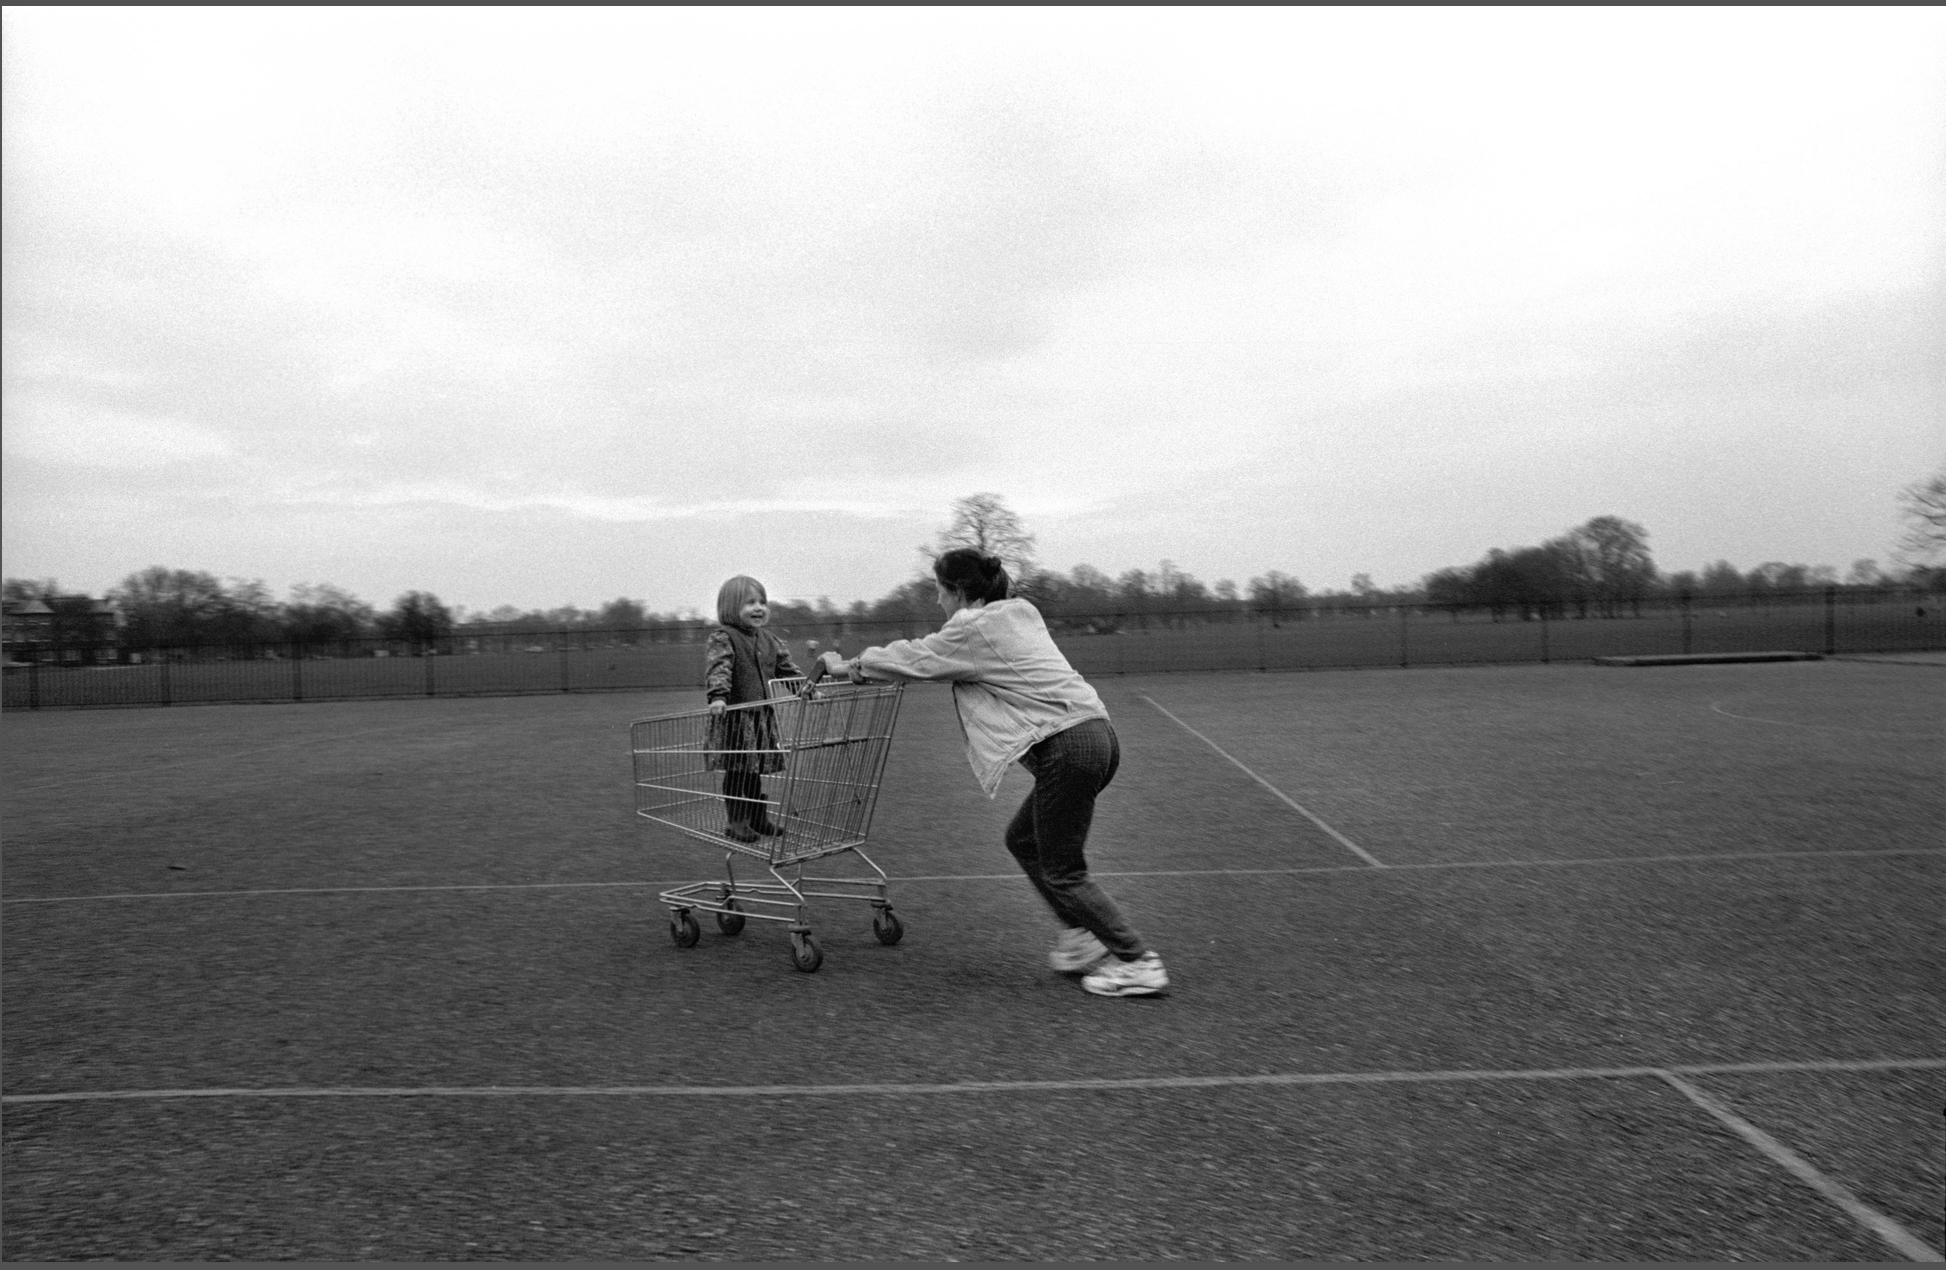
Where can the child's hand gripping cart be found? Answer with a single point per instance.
(823, 744)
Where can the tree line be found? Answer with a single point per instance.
(1601, 571)
(1602, 568)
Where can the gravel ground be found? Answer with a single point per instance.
(1598, 1170)
(1334, 968)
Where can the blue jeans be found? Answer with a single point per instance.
(1049, 831)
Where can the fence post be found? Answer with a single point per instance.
(1683, 600)
(561, 647)
(1544, 660)
(428, 655)
(34, 684)
(297, 671)
(1263, 662)
(165, 679)
(1830, 620)
(1403, 660)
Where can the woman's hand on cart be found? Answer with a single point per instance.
(715, 707)
(834, 665)
(819, 672)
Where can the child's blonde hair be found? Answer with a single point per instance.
(734, 594)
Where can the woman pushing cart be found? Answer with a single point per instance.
(1020, 701)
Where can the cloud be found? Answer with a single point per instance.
(833, 269)
(458, 498)
(70, 434)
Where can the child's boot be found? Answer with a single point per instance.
(737, 809)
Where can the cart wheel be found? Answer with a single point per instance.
(684, 930)
(730, 923)
(887, 926)
(805, 954)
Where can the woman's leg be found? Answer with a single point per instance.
(1050, 831)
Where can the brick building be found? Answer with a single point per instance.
(64, 629)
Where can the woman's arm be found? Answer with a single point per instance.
(942, 655)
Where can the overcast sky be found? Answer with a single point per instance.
(541, 307)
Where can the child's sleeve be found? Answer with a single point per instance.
(786, 668)
(716, 673)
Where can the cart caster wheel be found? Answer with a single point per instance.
(805, 953)
(887, 926)
(730, 923)
(684, 930)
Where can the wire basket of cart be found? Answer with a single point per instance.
(820, 749)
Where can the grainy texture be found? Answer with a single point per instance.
(1349, 969)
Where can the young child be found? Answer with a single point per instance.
(743, 659)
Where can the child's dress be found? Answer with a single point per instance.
(742, 662)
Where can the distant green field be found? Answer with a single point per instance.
(1141, 645)
(1438, 639)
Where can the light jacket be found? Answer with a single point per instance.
(1012, 688)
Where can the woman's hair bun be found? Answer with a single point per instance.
(976, 576)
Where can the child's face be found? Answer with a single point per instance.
(754, 613)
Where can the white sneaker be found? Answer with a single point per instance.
(1117, 978)
(1076, 951)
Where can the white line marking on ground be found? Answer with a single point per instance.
(1797, 1166)
(1709, 858)
(1292, 803)
(1716, 707)
(885, 1089)
(1295, 871)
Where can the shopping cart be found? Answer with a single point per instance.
(823, 751)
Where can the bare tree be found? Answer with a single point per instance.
(1922, 505)
(29, 589)
(1778, 575)
(623, 614)
(1090, 585)
(1720, 578)
(985, 523)
(170, 606)
(1277, 593)
(1617, 555)
(324, 613)
(1865, 573)
(417, 618)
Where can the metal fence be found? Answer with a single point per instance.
(1134, 639)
